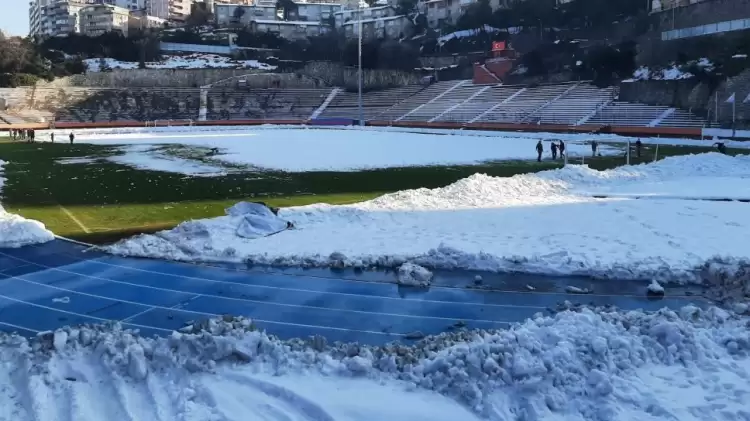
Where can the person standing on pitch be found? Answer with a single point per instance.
(72, 137)
(539, 150)
(638, 145)
(594, 145)
(553, 148)
(52, 137)
(562, 149)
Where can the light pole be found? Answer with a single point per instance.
(359, 68)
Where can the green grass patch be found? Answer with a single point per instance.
(114, 201)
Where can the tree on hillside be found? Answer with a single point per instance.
(477, 15)
(237, 15)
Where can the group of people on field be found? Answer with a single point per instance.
(23, 134)
(29, 135)
(559, 146)
(556, 147)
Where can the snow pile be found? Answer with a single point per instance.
(190, 61)
(410, 274)
(537, 223)
(654, 288)
(589, 364)
(672, 72)
(466, 33)
(17, 231)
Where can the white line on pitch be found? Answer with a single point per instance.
(74, 219)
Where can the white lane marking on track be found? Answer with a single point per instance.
(152, 307)
(19, 327)
(369, 313)
(346, 294)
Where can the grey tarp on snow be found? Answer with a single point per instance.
(257, 220)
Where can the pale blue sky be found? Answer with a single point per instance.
(14, 17)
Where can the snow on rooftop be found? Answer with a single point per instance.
(17, 231)
(466, 33)
(190, 61)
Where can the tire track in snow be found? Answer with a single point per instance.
(40, 399)
(294, 404)
(11, 400)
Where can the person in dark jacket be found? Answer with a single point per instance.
(72, 137)
(638, 147)
(553, 148)
(562, 149)
(594, 145)
(52, 137)
(539, 150)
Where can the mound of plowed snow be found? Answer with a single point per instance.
(581, 365)
(17, 231)
(538, 223)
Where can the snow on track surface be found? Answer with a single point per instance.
(539, 223)
(297, 149)
(586, 365)
(17, 231)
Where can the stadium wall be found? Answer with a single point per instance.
(694, 133)
(147, 78)
(672, 93)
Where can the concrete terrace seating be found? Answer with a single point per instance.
(292, 104)
(10, 119)
(346, 104)
(574, 106)
(14, 97)
(627, 114)
(524, 104)
(421, 97)
(142, 104)
(682, 118)
(486, 99)
(439, 105)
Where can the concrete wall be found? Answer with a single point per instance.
(702, 13)
(652, 50)
(673, 93)
(335, 74)
(145, 78)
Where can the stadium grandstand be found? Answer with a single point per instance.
(568, 104)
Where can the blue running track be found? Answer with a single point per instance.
(48, 286)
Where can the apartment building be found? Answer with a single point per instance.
(98, 19)
(314, 12)
(172, 10)
(36, 16)
(292, 30)
(242, 15)
(363, 13)
(381, 27)
(60, 18)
